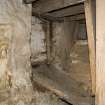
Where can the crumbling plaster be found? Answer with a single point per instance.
(17, 16)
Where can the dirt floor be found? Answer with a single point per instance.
(47, 98)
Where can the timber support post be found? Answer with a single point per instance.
(100, 53)
(91, 41)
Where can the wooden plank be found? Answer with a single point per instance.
(44, 6)
(73, 10)
(91, 41)
(61, 84)
(100, 52)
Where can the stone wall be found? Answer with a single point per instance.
(82, 35)
(38, 41)
(61, 44)
(64, 35)
(15, 28)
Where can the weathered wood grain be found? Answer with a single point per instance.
(73, 10)
(43, 6)
(100, 52)
(91, 41)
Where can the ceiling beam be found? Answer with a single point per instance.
(47, 17)
(78, 17)
(29, 1)
(44, 6)
(69, 11)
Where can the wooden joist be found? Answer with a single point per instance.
(29, 1)
(44, 6)
(69, 11)
(77, 17)
(47, 16)
(61, 84)
(91, 41)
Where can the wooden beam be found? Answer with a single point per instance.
(29, 1)
(91, 41)
(69, 11)
(47, 16)
(77, 17)
(100, 52)
(44, 6)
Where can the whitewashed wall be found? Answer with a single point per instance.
(38, 41)
(17, 16)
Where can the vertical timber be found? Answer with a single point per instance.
(91, 41)
(100, 52)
